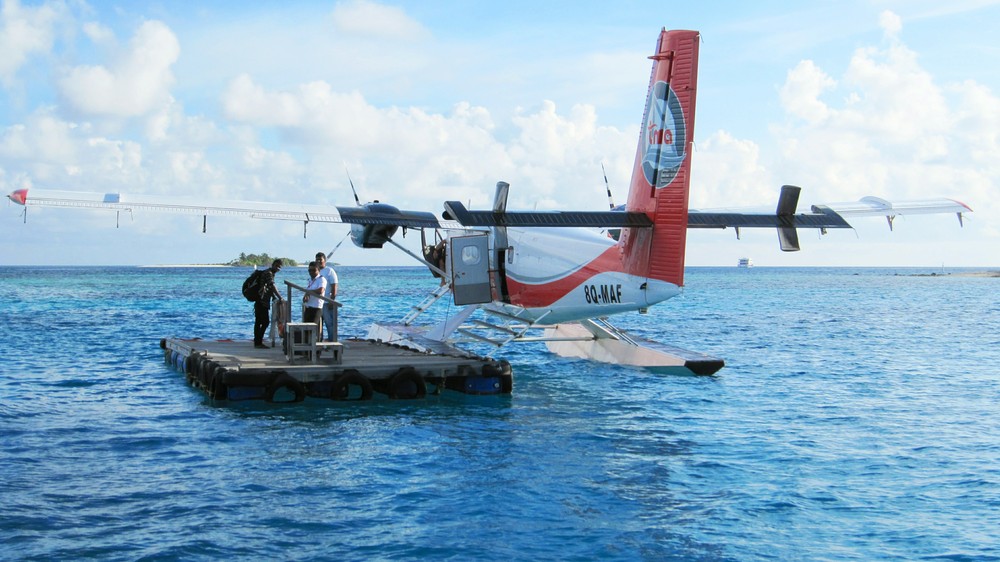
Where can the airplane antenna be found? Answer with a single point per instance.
(356, 200)
(611, 202)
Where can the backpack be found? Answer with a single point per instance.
(252, 287)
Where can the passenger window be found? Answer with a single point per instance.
(470, 255)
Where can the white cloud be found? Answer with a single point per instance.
(727, 172)
(553, 152)
(890, 23)
(134, 84)
(61, 154)
(169, 124)
(99, 34)
(802, 89)
(897, 100)
(312, 113)
(24, 31)
(978, 120)
(898, 133)
(417, 157)
(371, 19)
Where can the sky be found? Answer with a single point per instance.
(427, 101)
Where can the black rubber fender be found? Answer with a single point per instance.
(210, 372)
(217, 387)
(341, 387)
(238, 378)
(502, 372)
(194, 367)
(285, 380)
(191, 364)
(407, 384)
(204, 376)
(505, 368)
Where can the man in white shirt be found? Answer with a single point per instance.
(329, 310)
(317, 286)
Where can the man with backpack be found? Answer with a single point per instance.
(261, 286)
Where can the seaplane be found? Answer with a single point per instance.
(556, 276)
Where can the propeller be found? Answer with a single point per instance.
(611, 202)
(354, 191)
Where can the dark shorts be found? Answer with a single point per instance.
(311, 314)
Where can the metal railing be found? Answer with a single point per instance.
(326, 301)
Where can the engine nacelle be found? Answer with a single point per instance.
(374, 235)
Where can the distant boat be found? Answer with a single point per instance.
(745, 262)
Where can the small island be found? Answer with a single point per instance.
(258, 260)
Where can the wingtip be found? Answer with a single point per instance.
(18, 196)
(967, 208)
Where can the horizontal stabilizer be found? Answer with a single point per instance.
(783, 218)
(709, 219)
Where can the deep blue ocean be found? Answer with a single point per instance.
(857, 418)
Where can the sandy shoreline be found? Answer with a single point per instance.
(191, 265)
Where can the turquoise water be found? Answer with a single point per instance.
(858, 418)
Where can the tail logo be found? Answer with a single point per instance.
(663, 136)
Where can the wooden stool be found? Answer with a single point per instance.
(301, 338)
(334, 347)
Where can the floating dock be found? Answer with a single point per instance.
(352, 369)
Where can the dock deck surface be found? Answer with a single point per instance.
(219, 366)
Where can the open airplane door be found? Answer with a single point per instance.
(470, 269)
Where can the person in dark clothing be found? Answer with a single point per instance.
(262, 306)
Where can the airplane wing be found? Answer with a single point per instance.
(370, 214)
(786, 220)
(865, 207)
(877, 207)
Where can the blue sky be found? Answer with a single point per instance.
(427, 101)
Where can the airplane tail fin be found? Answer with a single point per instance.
(661, 174)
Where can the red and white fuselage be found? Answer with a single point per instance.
(562, 275)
